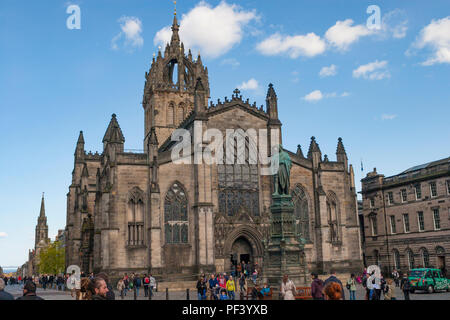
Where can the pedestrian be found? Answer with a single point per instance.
(265, 292)
(201, 287)
(44, 282)
(137, 282)
(242, 286)
(87, 289)
(212, 284)
(333, 278)
(3, 294)
(231, 288)
(389, 290)
(222, 282)
(316, 287)
(29, 292)
(110, 294)
(126, 283)
(100, 289)
(146, 281)
(333, 291)
(396, 276)
(371, 281)
(153, 287)
(121, 288)
(405, 286)
(351, 286)
(288, 290)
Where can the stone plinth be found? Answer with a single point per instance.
(284, 253)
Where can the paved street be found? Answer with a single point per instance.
(51, 294)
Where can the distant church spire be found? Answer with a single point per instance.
(42, 212)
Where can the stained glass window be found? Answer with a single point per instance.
(301, 212)
(176, 216)
(239, 183)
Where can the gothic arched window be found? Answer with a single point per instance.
(176, 225)
(333, 217)
(170, 114)
(238, 177)
(135, 218)
(301, 212)
(180, 113)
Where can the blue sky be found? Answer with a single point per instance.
(385, 92)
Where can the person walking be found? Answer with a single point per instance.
(288, 290)
(212, 284)
(146, 281)
(137, 282)
(121, 288)
(29, 292)
(201, 287)
(333, 278)
(389, 290)
(316, 287)
(351, 286)
(3, 294)
(231, 288)
(126, 282)
(152, 285)
(396, 276)
(242, 286)
(405, 286)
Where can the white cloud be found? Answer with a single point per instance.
(376, 70)
(132, 32)
(3, 235)
(314, 96)
(317, 95)
(328, 71)
(343, 34)
(308, 45)
(394, 23)
(212, 30)
(388, 116)
(230, 62)
(251, 84)
(436, 36)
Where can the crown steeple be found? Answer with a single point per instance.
(41, 227)
(42, 212)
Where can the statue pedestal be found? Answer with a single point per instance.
(284, 253)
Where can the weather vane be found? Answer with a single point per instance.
(175, 3)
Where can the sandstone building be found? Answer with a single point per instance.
(407, 217)
(141, 212)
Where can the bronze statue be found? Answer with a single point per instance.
(282, 178)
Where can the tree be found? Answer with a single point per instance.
(52, 259)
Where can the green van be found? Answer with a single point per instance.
(429, 280)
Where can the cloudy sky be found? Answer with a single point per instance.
(385, 91)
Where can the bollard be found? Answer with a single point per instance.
(167, 293)
(187, 294)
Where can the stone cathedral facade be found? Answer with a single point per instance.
(140, 212)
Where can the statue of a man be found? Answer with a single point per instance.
(282, 177)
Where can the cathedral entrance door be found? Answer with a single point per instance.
(242, 249)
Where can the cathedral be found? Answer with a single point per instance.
(142, 212)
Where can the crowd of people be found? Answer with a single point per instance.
(219, 286)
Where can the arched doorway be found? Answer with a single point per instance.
(242, 250)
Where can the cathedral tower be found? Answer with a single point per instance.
(170, 86)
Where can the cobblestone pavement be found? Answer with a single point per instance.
(52, 294)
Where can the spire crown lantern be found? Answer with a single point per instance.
(340, 147)
(114, 133)
(313, 148)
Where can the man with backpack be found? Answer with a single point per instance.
(316, 287)
(405, 286)
(146, 285)
(137, 283)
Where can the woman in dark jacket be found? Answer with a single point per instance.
(316, 287)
